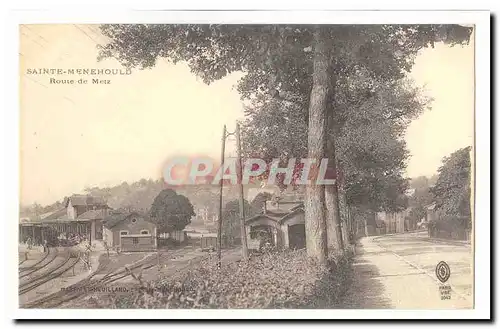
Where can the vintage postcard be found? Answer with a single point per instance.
(247, 166)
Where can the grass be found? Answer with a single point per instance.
(287, 279)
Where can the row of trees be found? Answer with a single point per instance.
(452, 191)
(420, 199)
(336, 91)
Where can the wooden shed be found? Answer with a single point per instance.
(281, 229)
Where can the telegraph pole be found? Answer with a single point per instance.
(242, 200)
(221, 182)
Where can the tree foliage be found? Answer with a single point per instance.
(231, 224)
(422, 195)
(370, 148)
(452, 191)
(271, 54)
(260, 199)
(171, 211)
(292, 62)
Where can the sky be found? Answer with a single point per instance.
(83, 135)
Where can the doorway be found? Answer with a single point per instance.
(297, 236)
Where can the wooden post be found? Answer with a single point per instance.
(92, 230)
(244, 247)
(158, 263)
(221, 183)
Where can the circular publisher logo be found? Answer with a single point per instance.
(443, 271)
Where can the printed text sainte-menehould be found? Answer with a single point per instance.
(78, 71)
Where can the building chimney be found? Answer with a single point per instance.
(264, 207)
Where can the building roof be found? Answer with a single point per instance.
(24, 219)
(278, 217)
(278, 213)
(283, 206)
(115, 218)
(274, 219)
(53, 215)
(93, 214)
(299, 206)
(85, 200)
(45, 217)
(297, 210)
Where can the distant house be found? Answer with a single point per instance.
(78, 204)
(381, 227)
(395, 222)
(430, 212)
(130, 232)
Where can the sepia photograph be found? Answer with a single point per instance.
(247, 166)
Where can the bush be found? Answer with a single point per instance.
(449, 227)
(287, 279)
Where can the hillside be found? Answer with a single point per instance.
(140, 195)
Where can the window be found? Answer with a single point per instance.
(135, 240)
(144, 232)
(123, 232)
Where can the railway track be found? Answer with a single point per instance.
(41, 264)
(28, 268)
(70, 259)
(81, 288)
(25, 259)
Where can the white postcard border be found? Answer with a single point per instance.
(482, 165)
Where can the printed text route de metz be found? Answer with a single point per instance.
(94, 81)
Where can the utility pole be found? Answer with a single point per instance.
(244, 246)
(219, 228)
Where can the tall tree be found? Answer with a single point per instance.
(271, 55)
(231, 224)
(370, 150)
(316, 144)
(452, 191)
(171, 211)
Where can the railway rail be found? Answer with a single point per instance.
(70, 260)
(39, 265)
(90, 283)
(79, 289)
(25, 259)
(28, 268)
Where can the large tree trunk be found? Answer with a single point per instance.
(333, 220)
(315, 194)
(344, 215)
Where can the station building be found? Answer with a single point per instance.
(129, 232)
(82, 215)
